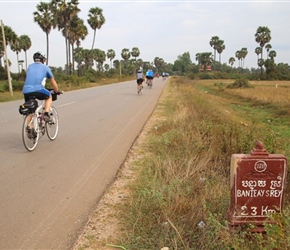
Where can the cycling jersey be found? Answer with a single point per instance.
(149, 73)
(35, 77)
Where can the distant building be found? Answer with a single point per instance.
(208, 68)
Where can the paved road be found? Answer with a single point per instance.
(46, 195)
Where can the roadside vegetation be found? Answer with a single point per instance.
(181, 194)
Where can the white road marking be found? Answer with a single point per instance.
(63, 105)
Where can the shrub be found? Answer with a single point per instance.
(240, 83)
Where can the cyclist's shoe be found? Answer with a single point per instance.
(31, 133)
(46, 117)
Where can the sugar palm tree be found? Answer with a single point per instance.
(232, 61)
(77, 31)
(45, 19)
(158, 62)
(262, 37)
(268, 47)
(272, 54)
(64, 12)
(258, 51)
(220, 47)
(126, 55)
(244, 52)
(96, 20)
(239, 56)
(111, 55)
(198, 58)
(135, 52)
(100, 58)
(213, 43)
(205, 59)
(16, 48)
(10, 38)
(25, 44)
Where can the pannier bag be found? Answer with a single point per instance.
(28, 107)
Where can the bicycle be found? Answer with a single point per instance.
(149, 83)
(34, 126)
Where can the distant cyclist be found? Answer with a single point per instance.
(140, 79)
(163, 76)
(149, 77)
(34, 85)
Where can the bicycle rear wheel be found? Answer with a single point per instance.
(30, 136)
(52, 125)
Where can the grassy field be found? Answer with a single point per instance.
(181, 195)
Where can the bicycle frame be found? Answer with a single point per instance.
(34, 127)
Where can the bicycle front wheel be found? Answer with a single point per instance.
(30, 136)
(52, 125)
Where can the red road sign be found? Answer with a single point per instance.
(258, 183)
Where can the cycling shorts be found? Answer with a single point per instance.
(149, 77)
(40, 95)
(139, 81)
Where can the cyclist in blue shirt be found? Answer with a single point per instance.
(149, 76)
(34, 85)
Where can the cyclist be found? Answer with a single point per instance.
(140, 79)
(34, 85)
(149, 77)
(163, 76)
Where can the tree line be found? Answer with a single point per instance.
(63, 15)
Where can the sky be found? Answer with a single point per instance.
(164, 29)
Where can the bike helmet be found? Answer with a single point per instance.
(38, 56)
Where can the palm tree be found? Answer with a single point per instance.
(232, 61)
(45, 19)
(261, 62)
(263, 36)
(198, 58)
(220, 47)
(77, 31)
(140, 63)
(16, 48)
(135, 52)
(268, 47)
(96, 20)
(116, 64)
(88, 58)
(239, 56)
(244, 52)
(205, 59)
(25, 44)
(10, 38)
(158, 62)
(258, 51)
(213, 43)
(111, 55)
(272, 54)
(64, 12)
(126, 55)
(100, 58)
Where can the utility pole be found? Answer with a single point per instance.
(7, 61)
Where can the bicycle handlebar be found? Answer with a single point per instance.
(57, 93)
